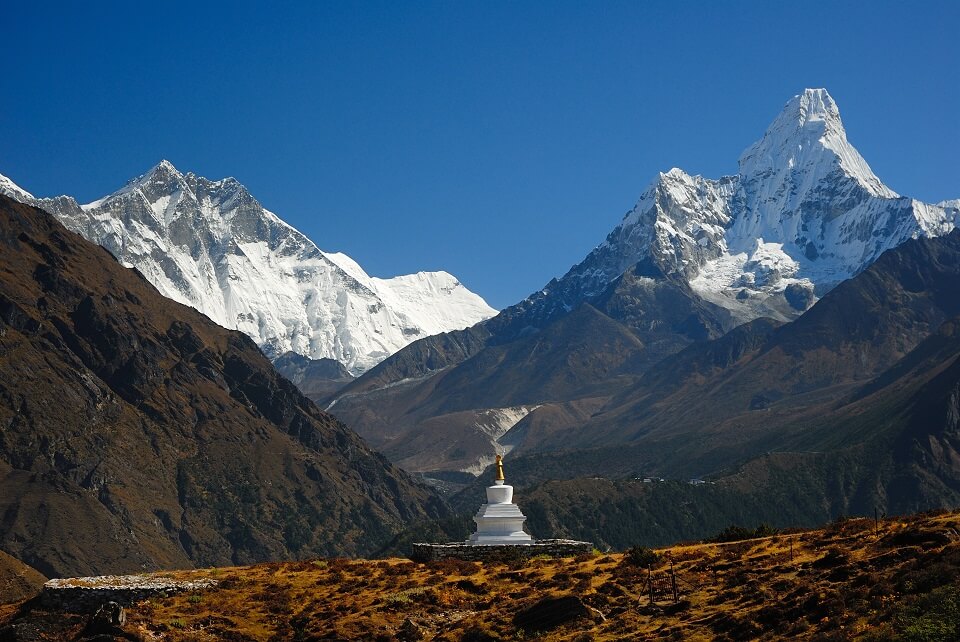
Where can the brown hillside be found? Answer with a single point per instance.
(17, 580)
(845, 582)
(591, 350)
(137, 434)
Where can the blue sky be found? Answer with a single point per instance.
(500, 141)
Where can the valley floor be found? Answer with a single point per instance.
(852, 580)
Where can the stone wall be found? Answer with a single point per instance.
(423, 552)
(87, 594)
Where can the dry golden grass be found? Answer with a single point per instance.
(843, 582)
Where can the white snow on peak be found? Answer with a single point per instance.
(14, 191)
(349, 266)
(211, 245)
(804, 212)
(425, 297)
(806, 143)
(163, 173)
(428, 297)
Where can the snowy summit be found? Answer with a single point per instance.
(803, 213)
(211, 245)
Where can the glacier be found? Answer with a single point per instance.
(211, 245)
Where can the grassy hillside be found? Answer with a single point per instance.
(852, 580)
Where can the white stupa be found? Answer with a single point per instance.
(499, 521)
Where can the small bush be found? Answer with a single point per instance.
(834, 557)
(734, 533)
(642, 556)
(935, 616)
(417, 594)
(399, 570)
(471, 587)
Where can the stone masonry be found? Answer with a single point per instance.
(423, 552)
(87, 594)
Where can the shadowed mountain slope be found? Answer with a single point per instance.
(589, 352)
(316, 378)
(841, 436)
(17, 580)
(135, 433)
(892, 446)
(854, 334)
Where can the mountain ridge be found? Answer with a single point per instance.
(801, 211)
(212, 245)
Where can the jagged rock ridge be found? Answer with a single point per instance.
(804, 212)
(213, 246)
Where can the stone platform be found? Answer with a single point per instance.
(472, 553)
(87, 594)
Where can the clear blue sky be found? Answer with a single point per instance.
(499, 141)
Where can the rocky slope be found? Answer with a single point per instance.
(741, 392)
(17, 580)
(138, 434)
(892, 445)
(316, 378)
(693, 259)
(213, 246)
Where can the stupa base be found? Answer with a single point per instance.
(423, 552)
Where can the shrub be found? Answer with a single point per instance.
(471, 587)
(844, 525)
(403, 598)
(642, 556)
(834, 557)
(935, 616)
(734, 533)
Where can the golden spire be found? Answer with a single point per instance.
(499, 468)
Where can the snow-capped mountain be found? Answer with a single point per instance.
(804, 212)
(14, 191)
(211, 245)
